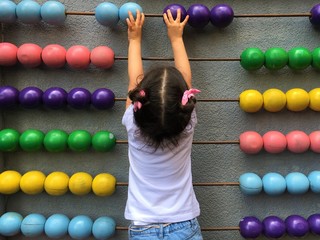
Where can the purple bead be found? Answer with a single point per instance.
(174, 9)
(314, 223)
(199, 15)
(221, 15)
(315, 15)
(30, 97)
(297, 226)
(273, 227)
(9, 97)
(79, 98)
(55, 98)
(103, 98)
(250, 227)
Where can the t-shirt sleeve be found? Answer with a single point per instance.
(127, 119)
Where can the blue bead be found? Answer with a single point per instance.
(314, 179)
(274, 184)
(297, 183)
(29, 12)
(56, 226)
(103, 228)
(33, 225)
(107, 14)
(53, 12)
(250, 183)
(7, 11)
(80, 227)
(125, 8)
(10, 223)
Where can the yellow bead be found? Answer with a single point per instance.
(314, 95)
(104, 184)
(297, 99)
(274, 100)
(10, 182)
(32, 182)
(80, 183)
(56, 183)
(251, 101)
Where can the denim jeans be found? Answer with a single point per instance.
(187, 230)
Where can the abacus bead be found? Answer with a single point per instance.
(299, 58)
(297, 226)
(78, 57)
(8, 53)
(102, 57)
(29, 54)
(32, 225)
(174, 10)
(103, 227)
(29, 12)
(9, 140)
(314, 223)
(276, 58)
(79, 140)
(315, 141)
(221, 15)
(250, 101)
(274, 100)
(297, 183)
(274, 184)
(274, 142)
(9, 97)
(56, 141)
(107, 14)
(103, 141)
(10, 223)
(80, 227)
(31, 140)
(316, 58)
(103, 98)
(129, 6)
(54, 55)
(297, 141)
(315, 15)
(55, 97)
(314, 179)
(199, 15)
(30, 97)
(273, 227)
(251, 142)
(56, 225)
(314, 98)
(7, 11)
(79, 98)
(297, 99)
(250, 227)
(250, 184)
(252, 59)
(53, 12)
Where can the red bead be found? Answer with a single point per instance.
(102, 57)
(78, 57)
(8, 54)
(54, 56)
(29, 55)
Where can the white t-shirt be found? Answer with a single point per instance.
(160, 182)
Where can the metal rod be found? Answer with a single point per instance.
(205, 229)
(198, 100)
(122, 58)
(200, 184)
(195, 142)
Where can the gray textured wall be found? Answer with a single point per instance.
(221, 206)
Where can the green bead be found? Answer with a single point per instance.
(299, 58)
(31, 140)
(252, 59)
(9, 140)
(103, 141)
(276, 58)
(79, 140)
(56, 141)
(316, 58)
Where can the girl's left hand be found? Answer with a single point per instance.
(135, 26)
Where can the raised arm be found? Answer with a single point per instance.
(175, 31)
(135, 67)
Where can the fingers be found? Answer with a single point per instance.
(185, 20)
(169, 14)
(178, 15)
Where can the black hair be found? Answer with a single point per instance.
(162, 117)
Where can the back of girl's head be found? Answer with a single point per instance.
(161, 116)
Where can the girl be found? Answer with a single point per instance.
(160, 120)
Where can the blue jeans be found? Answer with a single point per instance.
(187, 230)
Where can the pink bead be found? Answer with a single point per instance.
(251, 142)
(102, 57)
(54, 56)
(78, 57)
(8, 54)
(29, 55)
(315, 141)
(298, 141)
(274, 142)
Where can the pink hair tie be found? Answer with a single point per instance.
(188, 94)
(137, 105)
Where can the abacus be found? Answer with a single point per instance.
(62, 94)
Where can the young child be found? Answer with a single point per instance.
(160, 120)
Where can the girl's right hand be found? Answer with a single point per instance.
(174, 26)
(135, 26)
